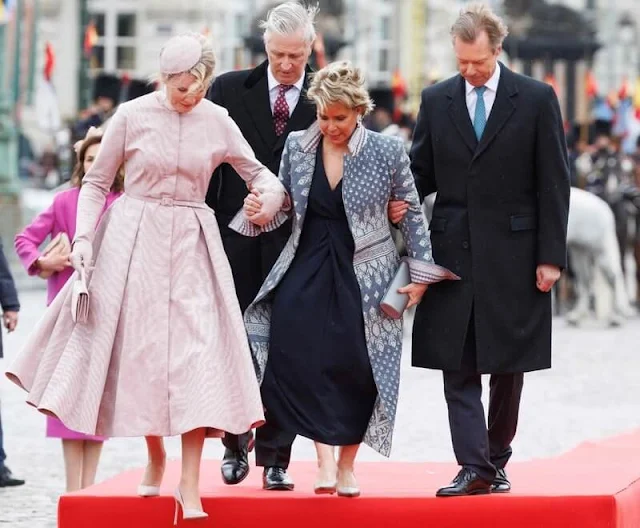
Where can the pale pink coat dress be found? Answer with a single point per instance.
(164, 350)
(59, 217)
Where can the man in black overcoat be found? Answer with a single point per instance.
(491, 143)
(254, 99)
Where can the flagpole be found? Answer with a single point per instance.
(8, 132)
(84, 98)
(33, 55)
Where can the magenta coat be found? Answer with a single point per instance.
(59, 217)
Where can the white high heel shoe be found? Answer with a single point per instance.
(148, 491)
(325, 486)
(349, 491)
(187, 513)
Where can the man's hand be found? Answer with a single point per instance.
(397, 209)
(546, 276)
(10, 320)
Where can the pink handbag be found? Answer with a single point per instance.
(80, 299)
(59, 245)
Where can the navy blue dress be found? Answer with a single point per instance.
(318, 381)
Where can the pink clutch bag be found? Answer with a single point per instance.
(80, 299)
(60, 245)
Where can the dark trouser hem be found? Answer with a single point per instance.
(273, 446)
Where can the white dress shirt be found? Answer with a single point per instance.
(292, 96)
(489, 94)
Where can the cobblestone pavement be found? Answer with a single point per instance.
(592, 392)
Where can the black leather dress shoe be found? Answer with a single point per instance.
(276, 478)
(501, 483)
(235, 465)
(7, 479)
(467, 482)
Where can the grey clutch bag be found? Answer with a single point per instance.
(393, 303)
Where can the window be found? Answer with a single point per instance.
(385, 28)
(240, 25)
(115, 48)
(126, 58)
(127, 25)
(97, 58)
(98, 20)
(384, 60)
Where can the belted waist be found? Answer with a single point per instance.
(167, 201)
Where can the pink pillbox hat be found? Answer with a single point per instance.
(180, 54)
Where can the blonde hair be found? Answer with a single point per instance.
(289, 19)
(340, 82)
(203, 70)
(474, 19)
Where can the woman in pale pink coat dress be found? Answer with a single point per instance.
(81, 452)
(164, 350)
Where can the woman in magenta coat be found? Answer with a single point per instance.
(81, 451)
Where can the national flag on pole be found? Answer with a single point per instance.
(590, 85)
(49, 61)
(625, 89)
(90, 38)
(398, 85)
(636, 98)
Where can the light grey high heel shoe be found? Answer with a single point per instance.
(348, 491)
(187, 513)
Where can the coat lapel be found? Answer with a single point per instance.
(256, 101)
(303, 114)
(460, 114)
(501, 111)
(303, 178)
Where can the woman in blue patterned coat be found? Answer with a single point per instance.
(333, 366)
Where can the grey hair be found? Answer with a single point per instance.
(202, 70)
(291, 18)
(474, 19)
(340, 82)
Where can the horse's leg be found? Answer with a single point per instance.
(581, 261)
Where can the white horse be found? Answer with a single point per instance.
(594, 254)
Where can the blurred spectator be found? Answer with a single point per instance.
(106, 96)
(10, 308)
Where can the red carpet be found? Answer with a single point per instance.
(596, 485)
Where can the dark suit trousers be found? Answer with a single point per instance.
(251, 259)
(476, 445)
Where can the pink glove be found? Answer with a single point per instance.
(81, 255)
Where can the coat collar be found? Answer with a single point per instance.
(311, 139)
(503, 107)
(256, 100)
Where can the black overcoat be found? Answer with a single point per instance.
(501, 209)
(245, 94)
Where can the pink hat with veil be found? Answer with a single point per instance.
(180, 54)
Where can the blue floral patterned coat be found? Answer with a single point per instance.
(375, 171)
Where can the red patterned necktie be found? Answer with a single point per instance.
(281, 109)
